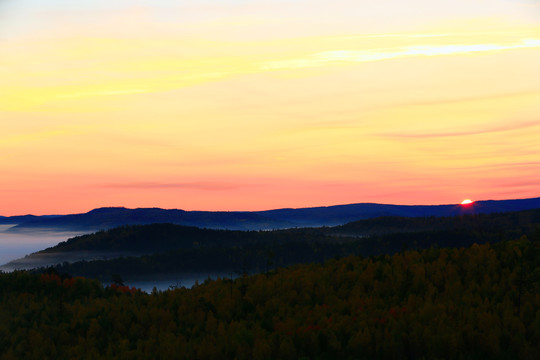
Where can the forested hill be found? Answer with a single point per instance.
(479, 302)
(161, 237)
(507, 224)
(106, 218)
(168, 248)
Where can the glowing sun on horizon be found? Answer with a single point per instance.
(466, 202)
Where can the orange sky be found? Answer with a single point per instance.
(236, 105)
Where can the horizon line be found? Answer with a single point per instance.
(266, 210)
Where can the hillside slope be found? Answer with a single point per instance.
(479, 302)
(165, 248)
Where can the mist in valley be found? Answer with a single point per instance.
(16, 245)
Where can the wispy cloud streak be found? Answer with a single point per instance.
(358, 56)
(501, 128)
(103, 93)
(201, 185)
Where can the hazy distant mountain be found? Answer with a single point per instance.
(141, 250)
(106, 218)
(341, 214)
(23, 218)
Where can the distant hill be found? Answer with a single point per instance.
(136, 250)
(11, 220)
(110, 217)
(163, 237)
(341, 214)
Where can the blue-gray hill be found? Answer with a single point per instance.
(110, 217)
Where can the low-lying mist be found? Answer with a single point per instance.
(15, 245)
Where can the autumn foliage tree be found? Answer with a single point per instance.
(441, 303)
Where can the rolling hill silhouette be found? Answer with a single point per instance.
(110, 217)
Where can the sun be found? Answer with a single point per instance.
(466, 202)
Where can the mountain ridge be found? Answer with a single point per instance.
(168, 248)
(110, 217)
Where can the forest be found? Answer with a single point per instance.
(475, 302)
(173, 249)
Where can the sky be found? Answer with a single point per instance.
(262, 104)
